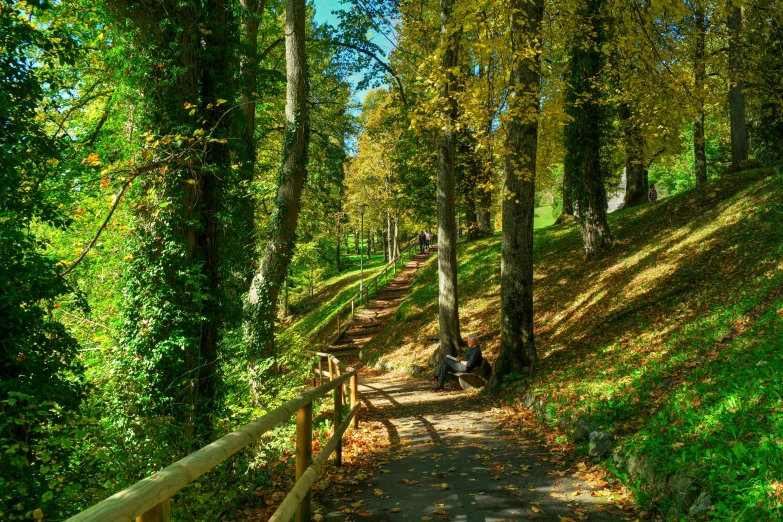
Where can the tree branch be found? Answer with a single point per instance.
(103, 226)
(371, 55)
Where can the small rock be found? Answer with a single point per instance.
(702, 505)
(528, 400)
(582, 428)
(601, 443)
(521, 389)
(682, 490)
(415, 369)
(619, 458)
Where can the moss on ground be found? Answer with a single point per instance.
(673, 340)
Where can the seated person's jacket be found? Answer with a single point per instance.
(473, 357)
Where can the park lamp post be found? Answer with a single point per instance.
(362, 208)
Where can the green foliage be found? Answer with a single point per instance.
(42, 381)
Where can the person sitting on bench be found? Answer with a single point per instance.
(453, 365)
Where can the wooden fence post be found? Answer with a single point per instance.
(337, 420)
(331, 368)
(320, 371)
(338, 323)
(304, 455)
(159, 513)
(353, 308)
(355, 397)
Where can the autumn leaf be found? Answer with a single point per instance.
(92, 159)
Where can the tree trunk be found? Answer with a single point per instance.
(471, 220)
(700, 74)
(483, 212)
(369, 244)
(586, 131)
(261, 303)
(356, 242)
(396, 250)
(448, 299)
(739, 136)
(252, 11)
(517, 343)
(216, 72)
(567, 193)
(635, 164)
(337, 245)
(389, 232)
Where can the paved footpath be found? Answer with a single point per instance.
(453, 459)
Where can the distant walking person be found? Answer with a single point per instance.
(422, 242)
(427, 238)
(453, 365)
(653, 194)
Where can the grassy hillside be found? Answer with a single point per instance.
(313, 311)
(672, 340)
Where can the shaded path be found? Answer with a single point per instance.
(454, 459)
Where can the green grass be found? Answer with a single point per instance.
(673, 341)
(543, 217)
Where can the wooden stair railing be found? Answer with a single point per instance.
(149, 499)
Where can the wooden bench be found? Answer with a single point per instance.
(469, 381)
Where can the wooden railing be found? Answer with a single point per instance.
(342, 319)
(149, 499)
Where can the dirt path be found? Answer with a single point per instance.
(371, 319)
(453, 455)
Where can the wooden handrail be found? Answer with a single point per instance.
(305, 483)
(148, 499)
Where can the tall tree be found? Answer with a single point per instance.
(636, 175)
(261, 303)
(517, 342)
(739, 135)
(586, 132)
(699, 79)
(448, 299)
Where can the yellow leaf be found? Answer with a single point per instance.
(93, 159)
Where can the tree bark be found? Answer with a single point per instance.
(471, 220)
(483, 212)
(739, 135)
(396, 250)
(517, 343)
(567, 194)
(448, 298)
(261, 303)
(586, 132)
(251, 16)
(389, 255)
(635, 164)
(337, 247)
(700, 75)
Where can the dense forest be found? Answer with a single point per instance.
(178, 178)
